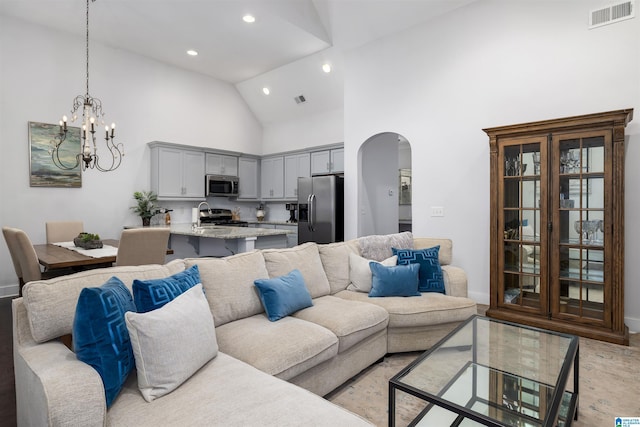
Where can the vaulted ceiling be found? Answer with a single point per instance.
(284, 49)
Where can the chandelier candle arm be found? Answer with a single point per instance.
(91, 111)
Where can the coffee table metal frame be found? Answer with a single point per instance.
(570, 362)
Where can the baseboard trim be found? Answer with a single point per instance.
(479, 297)
(9, 290)
(633, 324)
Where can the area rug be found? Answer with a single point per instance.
(609, 386)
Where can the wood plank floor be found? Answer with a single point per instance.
(7, 382)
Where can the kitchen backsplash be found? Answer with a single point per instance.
(182, 210)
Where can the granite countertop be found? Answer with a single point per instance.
(273, 222)
(226, 233)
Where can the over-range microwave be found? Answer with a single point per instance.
(221, 185)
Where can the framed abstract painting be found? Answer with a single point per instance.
(42, 171)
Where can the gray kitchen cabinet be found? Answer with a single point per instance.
(327, 161)
(295, 166)
(292, 239)
(248, 178)
(221, 164)
(177, 173)
(272, 178)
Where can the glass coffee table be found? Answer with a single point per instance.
(494, 373)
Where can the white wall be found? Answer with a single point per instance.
(41, 71)
(488, 64)
(314, 130)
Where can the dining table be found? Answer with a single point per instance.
(53, 257)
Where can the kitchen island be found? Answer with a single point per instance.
(187, 241)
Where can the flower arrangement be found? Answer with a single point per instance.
(145, 207)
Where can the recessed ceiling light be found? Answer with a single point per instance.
(266, 90)
(326, 68)
(192, 52)
(249, 19)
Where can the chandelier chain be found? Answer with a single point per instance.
(87, 48)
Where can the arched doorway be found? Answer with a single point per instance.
(382, 159)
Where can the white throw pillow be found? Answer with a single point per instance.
(360, 272)
(171, 343)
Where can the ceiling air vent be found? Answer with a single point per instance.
(611, 14)
(300, 99)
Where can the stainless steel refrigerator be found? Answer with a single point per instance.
(321, 209)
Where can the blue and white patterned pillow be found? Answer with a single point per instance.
(153, 294)
(430, 276)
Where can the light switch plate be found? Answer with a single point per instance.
(437, 211)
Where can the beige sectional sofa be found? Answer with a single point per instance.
(266, 373)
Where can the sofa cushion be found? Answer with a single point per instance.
(378, 247)
(445, 254)
(428, 309)
(51, 304)
(335, 261)
(305, 258)
(171, 343)
(228, 284)
(350, 321)
(360, 272)
(430, 276)
(100, 335)
(153, 294)
(284, 295)
(284, 348)
(229, 392)
(394, 281)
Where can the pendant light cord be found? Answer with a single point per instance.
(87, 50)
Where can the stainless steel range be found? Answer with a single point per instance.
(220, 217)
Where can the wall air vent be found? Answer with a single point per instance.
(611, 14)
(300, 99)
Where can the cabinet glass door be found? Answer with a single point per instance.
(581, 228)
(523, 196)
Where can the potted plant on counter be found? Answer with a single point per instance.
(145, 207)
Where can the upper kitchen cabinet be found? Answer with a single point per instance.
(248, 177)
(177, 173)
(327, 161)
(272, 178)
(221, 164)
(295, 166)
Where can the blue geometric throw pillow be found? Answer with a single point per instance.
(431, 277)
(100, 336)
(152, 294)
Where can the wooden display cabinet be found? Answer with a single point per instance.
(557, 224)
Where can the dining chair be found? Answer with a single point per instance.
(63, 231)
(24, 257)
(139, 246)
(12, 243)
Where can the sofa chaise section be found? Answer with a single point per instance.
(415, 323)
(228, 392)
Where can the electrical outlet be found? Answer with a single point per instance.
(437, 211)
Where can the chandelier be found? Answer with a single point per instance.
(92, 117)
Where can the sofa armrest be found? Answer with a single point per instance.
(455, 281)
(52, 386)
